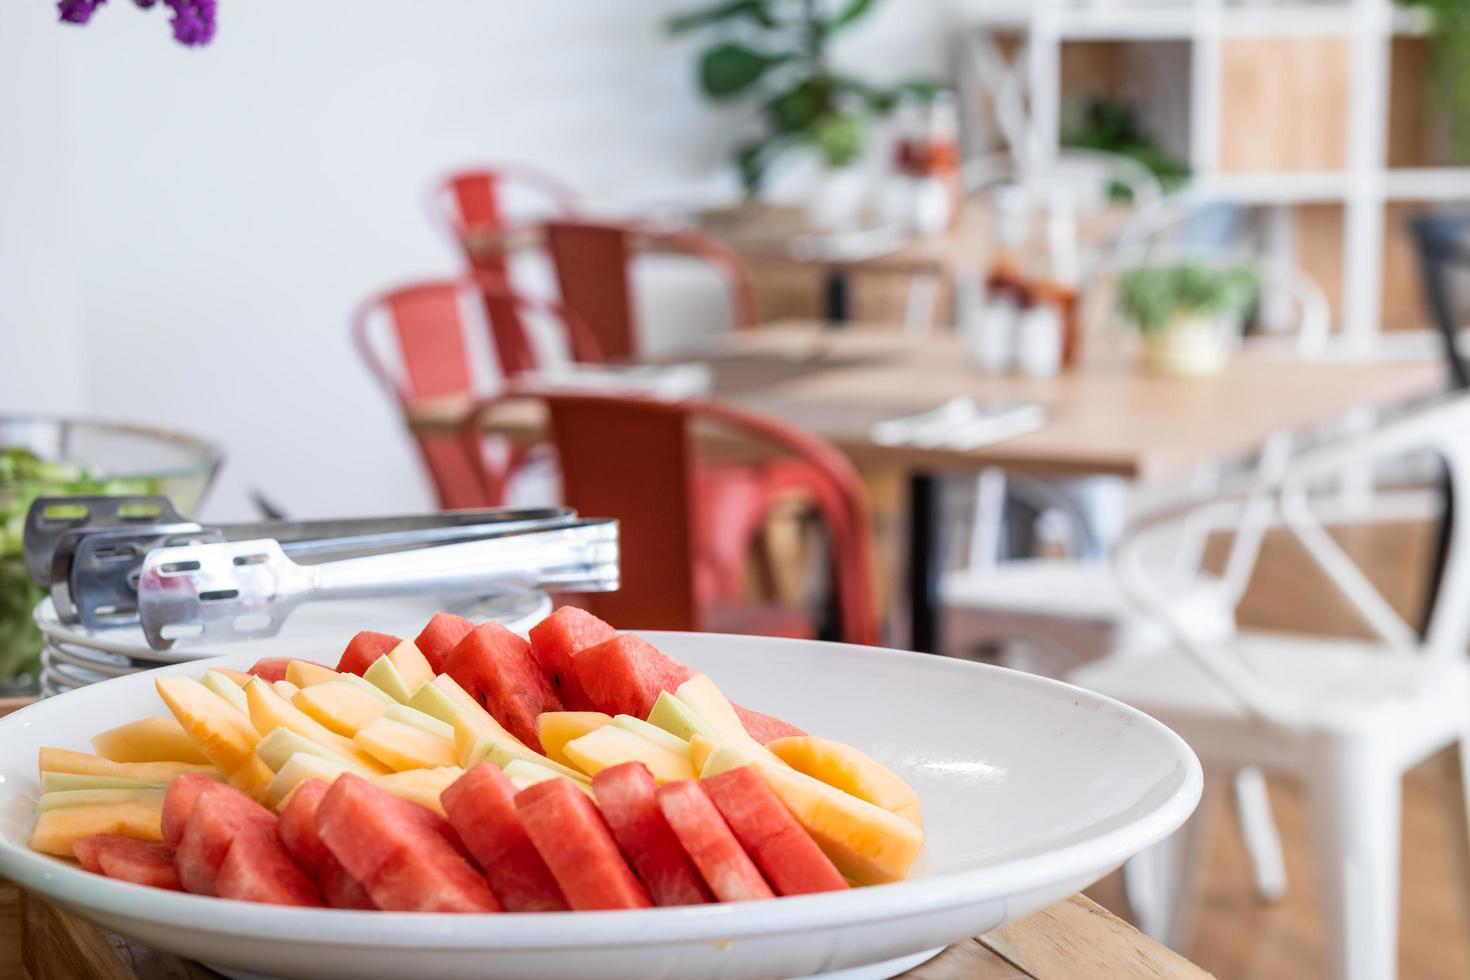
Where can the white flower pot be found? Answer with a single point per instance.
(1190, 346)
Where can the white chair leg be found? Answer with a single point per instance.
(1164, 882)
(1455, 790)
(1356, 802)
(1258, 827)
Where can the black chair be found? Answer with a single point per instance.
(1442, 241)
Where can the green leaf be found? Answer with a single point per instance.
(756, 11)
(840, 138)
(752, 158)
(880, 101)
(854, 10)
(797, 107)
(728, 69)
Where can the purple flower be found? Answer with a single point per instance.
(78, 11)
(193, 21)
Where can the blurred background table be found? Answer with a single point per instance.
(1104, 418)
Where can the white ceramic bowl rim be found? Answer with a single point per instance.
(716, 922)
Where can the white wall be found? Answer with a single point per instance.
(183, 233)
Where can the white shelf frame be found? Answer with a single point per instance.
(1364, 188)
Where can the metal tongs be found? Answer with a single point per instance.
(120, 561)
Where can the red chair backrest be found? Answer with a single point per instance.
(471, 202)
(431, 337)
(633, 459)
(594, 269)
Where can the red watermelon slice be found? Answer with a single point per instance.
(574, 841)
(363, 650)
(270, 669)
(625, 674)
(764, 728)
(495, 666)
(298, 832)
(220, 815)
(440, 636)
(143, 862)
(403, 865)
(791, 860)
(553, 642)
(625, 795)
(481, 806)
(257, 868)
(710, 844)
(178, 803)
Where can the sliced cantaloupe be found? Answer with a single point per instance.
(340, 706)
(304, 673)
(652, 732)
(285, 689)
(156, 739)
(613, 745)
(868, 844)
(269, 711)
(298, 769)
(400, 672)
(56, 760)
(226, 688)
(699, 750)
(240, 677)
(402, 747)
(475, 742)
(676, 718)
(277, 748)
(418, 719)
(444, 699)
(365, 685)
(849, 770)
(92, 797)
(421, 786)
(57, 830)
(556, 728)
(522, 774)
(66, 782)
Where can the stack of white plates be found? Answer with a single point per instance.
(73, 657)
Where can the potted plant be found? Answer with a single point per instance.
(774, 55)
(1188, 314)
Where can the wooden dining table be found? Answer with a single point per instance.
(1103, 418)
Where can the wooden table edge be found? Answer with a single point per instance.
(1073, 938)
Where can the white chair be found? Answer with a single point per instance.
(1346, 717)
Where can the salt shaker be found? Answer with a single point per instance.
(1039, 342)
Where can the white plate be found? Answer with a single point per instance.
(1031, 789)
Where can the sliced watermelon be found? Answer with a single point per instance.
(403, 865)
(270, 669)
(363, 650)
(574, 841)
(257, 868)
(709, 842)
(338, 889)
(178, 803)
(143, 862)
(481, 806)
(440, 637)
(764, 728)
(791, 860)
(553, 642)
(495, 666)
(625, 674)
(626, 796)
(220, 815)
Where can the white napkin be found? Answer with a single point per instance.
(961, 424)
(669, 382)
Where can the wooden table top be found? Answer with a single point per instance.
(1105, 418)
(1074, 938)
(764, 234)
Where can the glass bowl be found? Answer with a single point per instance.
(47, 455)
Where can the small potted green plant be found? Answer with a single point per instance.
(1188, 314)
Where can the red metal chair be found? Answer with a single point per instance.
(472, 205)
(432, 345)
(634, 459)
(595, 261)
